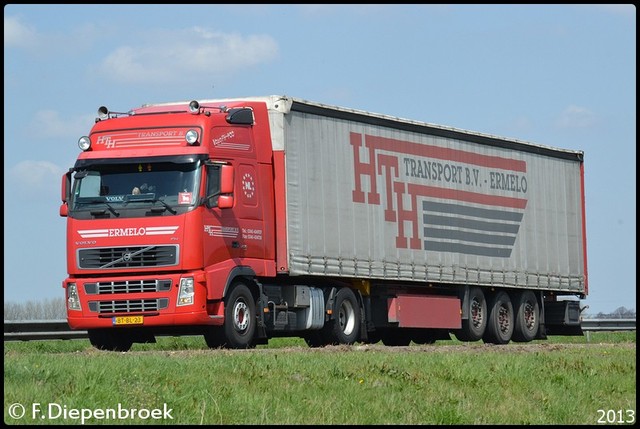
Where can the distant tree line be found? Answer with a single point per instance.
(618, 313)
(49, 309)
(54, 309)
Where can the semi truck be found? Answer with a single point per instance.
(243, 220)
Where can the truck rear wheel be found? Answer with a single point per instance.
(474, 326)
(110, 339)
(345, 326)
(239, 318)
(501, 320)
(527, 316)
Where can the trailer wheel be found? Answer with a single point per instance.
(501, 320)
(239, 318)
(527, 316)
(110, 339)
(474, 326)
(345, 326)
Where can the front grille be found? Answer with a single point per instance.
(128, 305)
(108, 258)
(127, 286)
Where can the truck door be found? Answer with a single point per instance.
(234, 232)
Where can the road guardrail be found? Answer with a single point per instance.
(28, 330)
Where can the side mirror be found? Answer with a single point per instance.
(226, 179)
(225, 201)
(65, 190)
(221, 193)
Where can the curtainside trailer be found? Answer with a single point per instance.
(252, 218)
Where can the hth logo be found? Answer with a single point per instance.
(106, 140)
(462, 202)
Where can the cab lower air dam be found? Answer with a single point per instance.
(186, 292)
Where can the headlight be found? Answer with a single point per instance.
(186, 292)
(73, 301)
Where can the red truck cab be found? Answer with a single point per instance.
(163, 204)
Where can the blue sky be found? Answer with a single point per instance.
(556, 75)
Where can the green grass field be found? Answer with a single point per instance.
(563, 380)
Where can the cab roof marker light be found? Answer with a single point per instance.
(194, 107)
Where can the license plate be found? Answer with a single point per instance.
(128, 320)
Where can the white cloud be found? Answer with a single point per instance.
(17, 34)
(48, 123)
(188, 53)
(32, 178)
(44, 46)
(576, 117)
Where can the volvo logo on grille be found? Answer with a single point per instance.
(126, 256)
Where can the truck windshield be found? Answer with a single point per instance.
(124, 187)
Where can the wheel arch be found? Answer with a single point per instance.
(241, 273)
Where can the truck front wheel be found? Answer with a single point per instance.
(345, 326)
(239, 318)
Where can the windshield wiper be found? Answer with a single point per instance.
(167, 206)
(98, 212)
(149, 197)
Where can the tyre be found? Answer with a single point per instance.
(344, 328)
(527, 317)
(473, 328)
(239, 318)
(501, 320)
(115, 340)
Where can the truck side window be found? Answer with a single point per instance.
(213, 185)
